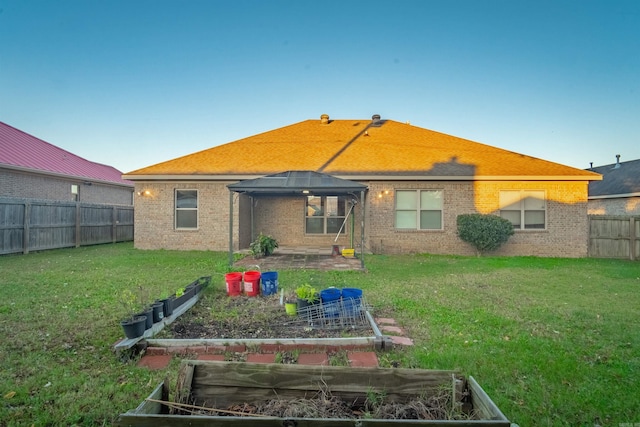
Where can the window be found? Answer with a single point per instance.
(419, 209)
(325, 214)
(75, 192)
(186, 209)
(525, 209)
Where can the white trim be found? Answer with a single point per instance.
(176, 209)
(523, 211)
(615, 196)
(418, 210)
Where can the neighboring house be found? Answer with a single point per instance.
(619, 191)
(32, 168)
(395, 187)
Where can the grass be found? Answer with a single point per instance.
(554, 342)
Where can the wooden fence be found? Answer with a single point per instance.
(614, 236)
(34, 225)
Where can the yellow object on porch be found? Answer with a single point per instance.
(348, 253)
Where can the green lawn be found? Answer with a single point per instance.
(552, 341)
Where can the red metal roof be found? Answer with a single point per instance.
(23, 151)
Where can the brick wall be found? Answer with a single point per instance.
(620, 206)
(155, 217)
(284, 219)
(35, 186)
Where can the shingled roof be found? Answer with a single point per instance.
(620, 179)
(292, 182)
(21, 151)
(359, 149)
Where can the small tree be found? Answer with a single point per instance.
(484, 232)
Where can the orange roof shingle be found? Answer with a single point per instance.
(360, 148)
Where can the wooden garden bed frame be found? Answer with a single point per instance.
(222, 384)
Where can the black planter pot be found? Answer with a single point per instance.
(188, 293)
(158, 311)
(199, 285)
(148, 313)
(134, 328)
(167, 306)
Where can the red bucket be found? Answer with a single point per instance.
(252, 283)
(234, 284)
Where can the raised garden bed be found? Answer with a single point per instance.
(244, 394)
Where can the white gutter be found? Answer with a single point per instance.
(615, 196)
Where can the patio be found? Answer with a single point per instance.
(301, 257)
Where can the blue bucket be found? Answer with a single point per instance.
(331, 301)
(269, 282)
(352, 301)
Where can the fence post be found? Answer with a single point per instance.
(78, 228)
(114, 225)
(632, 238)
(25, 228)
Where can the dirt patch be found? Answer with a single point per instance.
(439, 406)
(241, 317)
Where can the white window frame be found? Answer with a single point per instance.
(518, 201)
(75, 192)
(418, 208)
(325, 215)
(178, 209)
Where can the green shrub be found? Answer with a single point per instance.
(263, 246)
(484, 232)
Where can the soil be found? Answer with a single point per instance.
(436, 407)
(242, 317)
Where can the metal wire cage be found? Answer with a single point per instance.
(343, 313)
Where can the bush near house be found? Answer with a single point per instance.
(263, 246)
(484, 232)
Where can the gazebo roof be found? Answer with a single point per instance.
(296, 183)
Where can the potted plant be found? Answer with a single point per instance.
(307, 295)
(134, 324)
(167, 303)
(263, 246)
(290, 305)
(157, 311)
(146, 310)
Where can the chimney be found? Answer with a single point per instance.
(324, 119)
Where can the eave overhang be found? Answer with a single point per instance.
(366, 177)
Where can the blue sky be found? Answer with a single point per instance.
(134, 83)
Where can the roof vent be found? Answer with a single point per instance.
(324, 119)
(375, 118)
(617, 165)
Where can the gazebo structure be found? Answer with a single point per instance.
(299, 184)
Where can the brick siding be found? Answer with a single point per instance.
(284, 218)
(155, 217)
(620, 206)
(36, 186)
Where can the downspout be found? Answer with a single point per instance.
(230, 228)
(363, 203)
(353, 228)
(253, 231)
